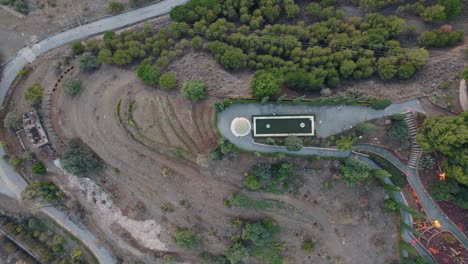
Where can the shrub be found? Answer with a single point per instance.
(449, 238)
(149, 74)
(34, 94)
(194, 90)
(21, 6)
(390, 205)
(399, 130)
(355, 171)
(464, 73)
(251, 182)
(16, 162)
(105, 56)
(366, 128)
(293, 143)
(43, 189)
(79, 160)
(260, 233)
(345, 143)
(266, 83)
(38, 168)
(72, 86)
(87, 62)
(13, 120)
(115, 7)
(196, 43)
(168, 81)
(380, 104)
(186, 238)
(77, 47)
(237, 253)
(308, 245)
(427, 161)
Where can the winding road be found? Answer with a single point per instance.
(11, 183)
(330, 120)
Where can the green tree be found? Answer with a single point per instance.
(449, 136)
(266, 83)
(251, 182)
(293, 143)
(386, 67)
(77, 47)
(115, 7)
(347, 68)
(355, 171)
(185, 238)
(79, 160)
(233, 59)
(196, 43)
(13, 120)
(87, 62)
(452, 8)
(434, 12)
(260, 233)
(444, 190)
(122, 57)
(237, 253)
(345, 143)
(34, 94)
(194, 90)
(38, 168)
(149, 74)
(168, 81)
(105, 56)
(72, 86)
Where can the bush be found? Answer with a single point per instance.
(366, 128)
(13, 120)
(251, 182)
(21, 6)
(427, 161)
(194, 90)
(464, 73)
(260, 233)
(399, 130)
(115, 7)
(149, 74)
(345, 143)
(38, 168)
(43, 189)
(186, 238)
(34, 94)
(79, 160)
(105, 56)
(438, 38)
(308, 245)
(168, 81)
(196, 43)
(355, 171)
(266, 83)
(77, 47)
(390, 205)
(72, 86)
(380, 104)
(293, 143)
(87, 62)
(16, 162)
(237, 253)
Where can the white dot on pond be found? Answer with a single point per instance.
(268, 126)
(302, 125)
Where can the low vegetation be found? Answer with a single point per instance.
(450, 191)
(33, 94)
(72, 86)
(194, 90)
(224, 148)
(43, 189)
(269, 177)
(13, 121)
(354, 171)
(186, 238)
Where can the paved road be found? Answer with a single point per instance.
(332, 119)
(11, 183)
(432, 210)
(329, 120)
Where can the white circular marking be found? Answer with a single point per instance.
(302, 125)
(268, 126)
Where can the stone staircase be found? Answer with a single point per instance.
(416, 151)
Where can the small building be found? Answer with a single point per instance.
(34, 132)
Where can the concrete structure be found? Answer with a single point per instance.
(283, 126)
(34, 131)
(240, 126)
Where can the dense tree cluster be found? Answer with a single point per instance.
(449, 136)
(440, 38)
(322, 53)
(439, 11)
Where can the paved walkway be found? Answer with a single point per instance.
(332, 119)
(11, 183)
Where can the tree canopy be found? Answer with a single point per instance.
(34, 94)
(449, 136)
(194, 90)
(355, 171)
(78, 159)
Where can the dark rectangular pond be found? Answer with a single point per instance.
(281, 126)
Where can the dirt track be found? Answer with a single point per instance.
(166, 122)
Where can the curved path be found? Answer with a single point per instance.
(334, 120)
(11, 183)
